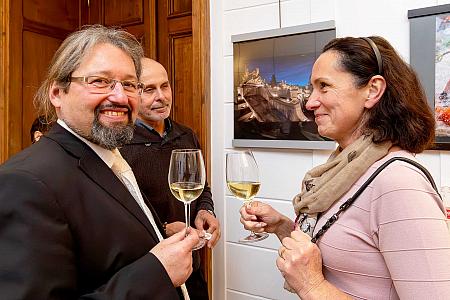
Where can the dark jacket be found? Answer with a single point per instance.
(70, 229)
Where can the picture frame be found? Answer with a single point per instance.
(271, 72)
(430, 58)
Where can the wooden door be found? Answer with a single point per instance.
(175, 50)
(36, 29)
(182, 35)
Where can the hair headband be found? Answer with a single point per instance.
(377, 54)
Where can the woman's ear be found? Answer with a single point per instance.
(54, 94)
(37, 135)
(376, 88)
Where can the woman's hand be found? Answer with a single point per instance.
(300, 263)
(261, 217)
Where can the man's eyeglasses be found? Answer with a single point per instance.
(103, 85)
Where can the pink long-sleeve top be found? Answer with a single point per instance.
(393, 242)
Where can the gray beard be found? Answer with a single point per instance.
(111, 137)
(108, 137)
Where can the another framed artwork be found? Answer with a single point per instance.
(271, 86)
(430, 57)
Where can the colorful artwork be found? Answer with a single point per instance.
(271, 87)
(442, 76)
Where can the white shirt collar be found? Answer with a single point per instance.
(106, 155)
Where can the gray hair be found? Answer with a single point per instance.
(70, 54)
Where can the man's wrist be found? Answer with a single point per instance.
(211, 212)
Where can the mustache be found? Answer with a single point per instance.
(159, 105)
(112, 106)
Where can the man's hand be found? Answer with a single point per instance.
(174, 227)
(206, 221)
(175, 254)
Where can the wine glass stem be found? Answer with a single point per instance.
(187, 215)
(248, 203)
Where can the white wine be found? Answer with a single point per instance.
(186, 191)
(244, 190)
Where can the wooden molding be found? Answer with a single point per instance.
(11, 78)
(201, 44)
(4, 20)
(201, 64)
(14, 88)
(151, 48)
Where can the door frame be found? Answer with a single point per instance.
(5, 78)
(202, 77)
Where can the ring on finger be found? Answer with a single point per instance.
(281, 251)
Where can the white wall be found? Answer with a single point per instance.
(244, 272)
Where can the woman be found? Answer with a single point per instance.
(39, 127)
(392, 242)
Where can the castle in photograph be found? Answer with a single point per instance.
(275, 109)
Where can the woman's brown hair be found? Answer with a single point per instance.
(402, 115)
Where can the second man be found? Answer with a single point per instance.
(148, 154)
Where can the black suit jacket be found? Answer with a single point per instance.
(70, 229)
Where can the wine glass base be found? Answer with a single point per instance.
(254, 237)
(201, 243)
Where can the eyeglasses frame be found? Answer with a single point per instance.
(85, 79)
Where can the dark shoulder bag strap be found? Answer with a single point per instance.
(352, 199)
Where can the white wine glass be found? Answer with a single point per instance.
(243, 182)
(187, 179)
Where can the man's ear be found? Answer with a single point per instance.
(54, 94)
(376, 88)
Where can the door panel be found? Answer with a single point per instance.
(124, 13)
(132, 15)
(34, 73)
(184, 107)
(58, 14)
(180, 6)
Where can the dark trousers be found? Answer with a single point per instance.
(196, 286)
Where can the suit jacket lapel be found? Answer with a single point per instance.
(96, 169)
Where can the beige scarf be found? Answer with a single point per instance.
(325, 184)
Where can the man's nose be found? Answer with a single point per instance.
(159, 94)
(118, 93)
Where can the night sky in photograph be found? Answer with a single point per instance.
(294, 69)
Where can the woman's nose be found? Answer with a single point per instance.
(313, 101)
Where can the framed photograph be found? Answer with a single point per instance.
(271, 86)
(430, 57)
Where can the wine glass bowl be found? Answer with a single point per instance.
(244, 190)
(243, 182)
(187, 179)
